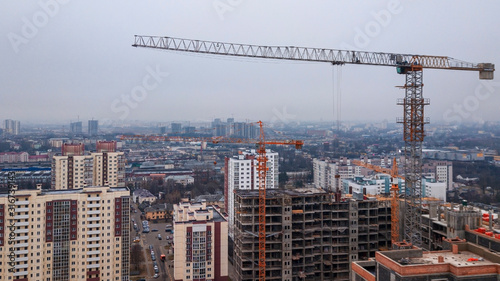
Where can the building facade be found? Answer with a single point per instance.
(65, 235)
(12, 127)
(200, 239)
(73, 169)
(309, 236)
(241, 174)
(93, 127)
(324, 172)
(76, 127)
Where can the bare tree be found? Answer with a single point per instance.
(136, 256)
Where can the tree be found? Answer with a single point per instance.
(136, 256)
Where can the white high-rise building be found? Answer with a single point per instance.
(241, 173)
(12, 127)
(324, 172)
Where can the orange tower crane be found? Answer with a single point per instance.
(393, 172)
(261, 170)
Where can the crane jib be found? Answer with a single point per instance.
(401, 61)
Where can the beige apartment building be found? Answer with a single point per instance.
(73, 234)
(73, 169)
(200, 239)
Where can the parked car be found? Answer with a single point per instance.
(159, 236)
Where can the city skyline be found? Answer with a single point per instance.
(69, 59)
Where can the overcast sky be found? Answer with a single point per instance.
(64, 59)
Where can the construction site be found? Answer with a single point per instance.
(309, 235)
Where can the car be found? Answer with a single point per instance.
(137, 240)
(162, 257)
(159, 236)
(156, 270)
(156, 275)
(151, 247)
(155, 263)
(154, 230)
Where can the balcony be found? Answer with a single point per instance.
(21, 217)
(21, 245)
(93, 239)
(20, 273)
(18, 238)
(97, 252)
(93, 212)
(24, 230)
(24, 223)
(93, 265)
(93, 232)
(93, 259)
(93, 245)
(94, 225)
(21, 252)
(94, 205)
(22, 203)
(94, 199)
(18, 210)
(22, 259)
(93, 218)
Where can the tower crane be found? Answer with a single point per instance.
(261, 171)
(393, 172)
(413, 103)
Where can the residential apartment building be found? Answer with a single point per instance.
(76, 127)
(200, 239)
(12, 127)
(93, 127)
(74, 169)
(241, 174)
(324, 172)
(441, 171)
(309, 236)
(65, 235)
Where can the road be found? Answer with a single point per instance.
(151, 238)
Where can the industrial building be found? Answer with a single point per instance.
(77, 234)
(241, 174)
(309, 235)
(74, 169)
(200, 239)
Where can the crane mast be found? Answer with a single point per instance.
(411, 65)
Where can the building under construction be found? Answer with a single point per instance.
(309, 235)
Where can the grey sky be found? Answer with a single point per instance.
(78, 59)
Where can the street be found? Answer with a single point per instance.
(151, 238)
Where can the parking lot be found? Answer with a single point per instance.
(160, 247)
